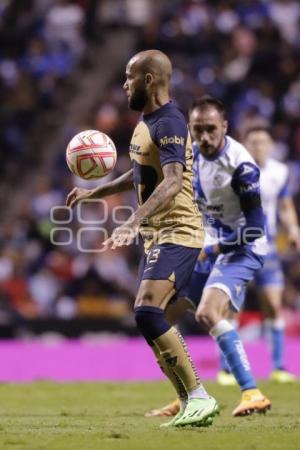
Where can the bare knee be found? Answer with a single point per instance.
(145, 298)
(213, 307)
(206, 317)
(156, 293)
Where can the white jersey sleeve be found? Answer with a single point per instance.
(274, 185)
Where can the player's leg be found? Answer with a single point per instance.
(151, 301)
(224, 375)
(150, 304)
(149, 263)
(211, 313)
(271, 298)
(171, 351)
(225, 289)
(173, 313)
(270, 282)
(193, 292)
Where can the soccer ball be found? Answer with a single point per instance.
(91, 154)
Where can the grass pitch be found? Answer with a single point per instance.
(49, 416)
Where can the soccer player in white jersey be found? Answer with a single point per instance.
(226, 184)
(277, 203)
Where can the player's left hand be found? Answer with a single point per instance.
(122, 235)
(208, 251)
(202, 255)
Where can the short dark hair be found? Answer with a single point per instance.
(257, 128)
(206, 101)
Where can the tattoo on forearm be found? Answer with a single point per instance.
(164, 192)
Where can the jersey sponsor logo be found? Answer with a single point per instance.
(215, 208)
(134, 147)
(209, 209)
(171, 140)
(211, 212)
(136, 150)
(252, 187)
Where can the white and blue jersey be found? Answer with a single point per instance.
(274, 186)
(227, 192)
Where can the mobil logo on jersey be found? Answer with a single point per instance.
(171, 140)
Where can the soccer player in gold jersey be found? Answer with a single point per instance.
(167, 219)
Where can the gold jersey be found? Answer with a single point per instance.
(160, 138)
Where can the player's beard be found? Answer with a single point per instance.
(212, 150)
(138, 100)
(209, 151)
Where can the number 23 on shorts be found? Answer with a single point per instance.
(153, 256)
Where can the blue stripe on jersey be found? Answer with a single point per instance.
(198, 191)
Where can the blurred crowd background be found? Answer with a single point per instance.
(62, 66)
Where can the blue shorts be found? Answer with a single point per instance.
(230, 273)
(271, 274)
(169, 262)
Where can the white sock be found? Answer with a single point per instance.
(183, 403)
(198, 392)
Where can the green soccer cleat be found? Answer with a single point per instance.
(171, 423)
(282, 376)
(199, 412)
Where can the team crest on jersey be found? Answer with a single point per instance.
(218, 179)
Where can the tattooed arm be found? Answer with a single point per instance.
(120, 184)
(158, 200)
(163, 193)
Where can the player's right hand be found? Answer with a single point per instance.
(76, 195)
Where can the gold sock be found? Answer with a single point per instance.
(173, 351)
(169, 372)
